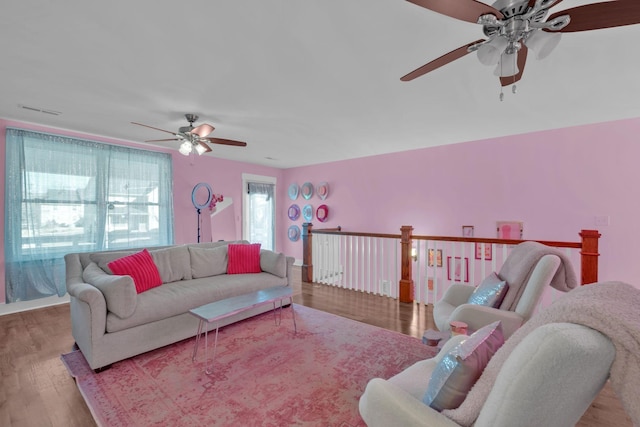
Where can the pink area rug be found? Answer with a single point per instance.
(264, 375)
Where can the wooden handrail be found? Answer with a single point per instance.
(588, 251)
(336, 231)
(574, 245)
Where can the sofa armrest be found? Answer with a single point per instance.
(290, 261)
(477, 316)
(86, 294)
(384, 404)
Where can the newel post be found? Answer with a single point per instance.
(406, 273)
(589, 256)
(307, 260)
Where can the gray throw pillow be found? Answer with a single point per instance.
(208, 262)
(104, 258)
(490, 292)
(460, 368)
(119, 291)
(173, 263)
(273, 262)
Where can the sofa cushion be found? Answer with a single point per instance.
(206, 262)
(119, 291)
(173, 263)
(104, 258)
(244, 259)
(217, 244)
(490, 292)
(140, 267)
(460, 368)
(273, 262)
(177, 298)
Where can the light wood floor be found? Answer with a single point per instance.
(36, 391)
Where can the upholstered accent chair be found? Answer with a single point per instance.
(527, 271)
(549, 379)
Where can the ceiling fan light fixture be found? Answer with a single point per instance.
(185, 148)
(542, 43)
(200, 149)
(507, 66)
(489, 53)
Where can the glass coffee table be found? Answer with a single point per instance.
(219, 310)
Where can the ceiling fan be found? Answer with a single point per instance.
(513, 26)
(194, 138)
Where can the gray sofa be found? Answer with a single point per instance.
(111, 322)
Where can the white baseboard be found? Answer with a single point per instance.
(16, 307)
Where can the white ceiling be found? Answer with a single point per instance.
(301, 81)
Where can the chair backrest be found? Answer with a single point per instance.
(518, 270)
(550, 378)
(540, 278)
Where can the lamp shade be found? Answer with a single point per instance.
(507, 66)
(201, 149)
(489, 53)
(185, 148)
(542, 43)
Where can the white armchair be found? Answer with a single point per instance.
(528, 270)
(552, 377)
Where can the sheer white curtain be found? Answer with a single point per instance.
(69, 195)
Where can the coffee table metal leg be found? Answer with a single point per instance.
(198, 334)
(275, 319)
(278, 321)
(206, 346)
(293, 312)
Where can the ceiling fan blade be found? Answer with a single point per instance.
(151, 127)
(162, 140)
(206, 147)
(225, 142)
(522, 60)
(202, 130)
(465, 10)
(596, 16)
(439, 62)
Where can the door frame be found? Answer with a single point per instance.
(246, 178)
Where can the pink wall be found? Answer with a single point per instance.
(556, 182)
(223, 176)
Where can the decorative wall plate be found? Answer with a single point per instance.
(307, 190)
(294, 212)
(322, 213)
(322, 190)
(293, 191)
(294, 233)
(307, 212)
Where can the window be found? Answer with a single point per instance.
(68, 195)
(259, 210)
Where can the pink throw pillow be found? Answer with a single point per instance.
(140, 267)
(244, 259)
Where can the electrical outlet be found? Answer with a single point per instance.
(386, 287)
(602, 220)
